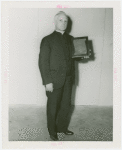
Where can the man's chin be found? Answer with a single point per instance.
(64, 29)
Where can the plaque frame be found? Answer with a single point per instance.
(80, 53)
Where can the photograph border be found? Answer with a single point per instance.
(116, 143)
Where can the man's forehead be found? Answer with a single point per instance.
(60, 16)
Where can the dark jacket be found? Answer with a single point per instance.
(53, 61)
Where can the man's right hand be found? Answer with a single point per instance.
(49, 87)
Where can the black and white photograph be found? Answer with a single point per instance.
(60, 73)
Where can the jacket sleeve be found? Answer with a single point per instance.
(44, 61)
(73, 62)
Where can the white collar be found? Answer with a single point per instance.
(62, 32)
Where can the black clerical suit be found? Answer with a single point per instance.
(57, 66)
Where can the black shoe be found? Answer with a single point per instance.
(67, 132)
(54, 137)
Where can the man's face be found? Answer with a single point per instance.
(61, 22)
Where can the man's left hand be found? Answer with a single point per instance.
(86, 57)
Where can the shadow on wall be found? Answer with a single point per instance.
(69, 25)
(78, 61)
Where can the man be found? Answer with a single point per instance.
(57, 71)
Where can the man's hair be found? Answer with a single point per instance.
(60, 12)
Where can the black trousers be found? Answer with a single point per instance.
(58, 106)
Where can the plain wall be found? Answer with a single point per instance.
(94, 79)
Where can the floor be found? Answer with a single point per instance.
(89, 123)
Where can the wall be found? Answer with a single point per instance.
(93, 78)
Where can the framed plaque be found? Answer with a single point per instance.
(80, 47)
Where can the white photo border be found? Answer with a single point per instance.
(5, 6)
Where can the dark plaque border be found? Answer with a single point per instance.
(87, 47)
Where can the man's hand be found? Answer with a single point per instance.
(49, 87)
(87, 56)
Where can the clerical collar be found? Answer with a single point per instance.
(62, 32)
